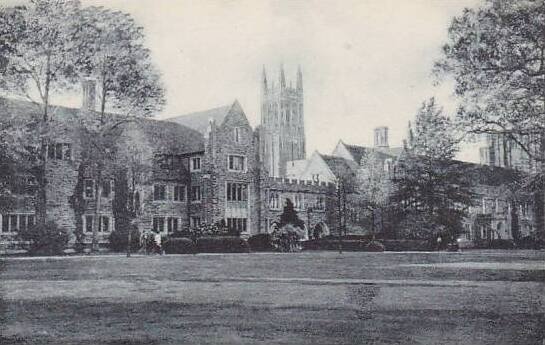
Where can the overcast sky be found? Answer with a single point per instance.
(365, 63)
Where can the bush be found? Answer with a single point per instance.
(261, 242)
(530, 242)
(501, 244)
(354, 237)
(407, 245)
(374, 246)
(45, 239)
(119, 237)
(286, 239)
(226, 244)
(179, 245)
(331, 244)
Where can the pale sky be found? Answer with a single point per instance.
(365, 63)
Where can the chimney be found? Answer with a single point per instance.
(88, 87)
(381, 137)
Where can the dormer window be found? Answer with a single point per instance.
(196, 164)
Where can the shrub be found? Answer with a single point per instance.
(530, 242)
(333, 244)
(261, 242)
(286, 238)
(374, 246)
(45, 239)
(119, 237)
(225, 244)
(407, 245)
(354, 237)
(179, 245)
(501, 244)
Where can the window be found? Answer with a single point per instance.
(236, 163)
(195, 222)
(172, 224)
(239, 133)
(59, 151)
(196, 193)
(16, 222)
(158, 224)
(237, 191)
(88, 188)
(298, 201)
(104, 224)
(159, 192)
(88, 220)
(179, 193)
(196, 164)
(274, 200)
(237, 224)
(106, 188)
(320, 205)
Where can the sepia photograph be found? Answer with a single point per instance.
(272, 172)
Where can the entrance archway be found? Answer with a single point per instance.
(320, 230)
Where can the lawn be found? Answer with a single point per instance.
(475, 297)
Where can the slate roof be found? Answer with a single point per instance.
(340, 166)
(164, 136)
(359, 151)
(171, 137)
(481, 174)
(199, 120)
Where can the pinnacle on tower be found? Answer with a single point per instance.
(282, 77)
(264, 80)
(299, 78)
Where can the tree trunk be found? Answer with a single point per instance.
(96, 216)
(41, 194)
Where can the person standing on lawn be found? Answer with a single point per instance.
(439, 241)
(158, 246)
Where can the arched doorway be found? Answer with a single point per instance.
(320, 230)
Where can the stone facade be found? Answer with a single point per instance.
(282, 124)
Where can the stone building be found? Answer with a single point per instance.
(210, 167)
(182, 172)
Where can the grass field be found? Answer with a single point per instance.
(486, 297)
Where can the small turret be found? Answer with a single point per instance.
(264, 81)
(299, 79)
(282, 77)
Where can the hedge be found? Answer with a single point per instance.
(118, 240)
(261, 243)
(407, 245)
(179, 245)
(45, 239)
(224, 244)
(330, 244)
(374, 246)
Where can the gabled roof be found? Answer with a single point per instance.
(383, 152)
(340, 166)
(200, 120)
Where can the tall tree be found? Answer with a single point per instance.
(430, 185)
(114, 55)
(373, 185)
(35, 62)
(496, 55)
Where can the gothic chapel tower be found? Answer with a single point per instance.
(282, 123)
